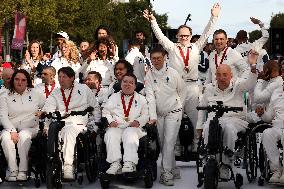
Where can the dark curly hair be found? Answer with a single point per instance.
(29, 80)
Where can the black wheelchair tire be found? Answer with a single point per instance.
(155, 171)
(91, 168)
(148, 179)
(250, 157)
(104, 183)
(53, 176)
(238, 181)
(211, 174)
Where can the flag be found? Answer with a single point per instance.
(19, 31)
(0, 41)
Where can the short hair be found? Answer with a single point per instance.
(184, 26)
(126, 64)
(241, 35)
(272, 65)
(158, 49)
(139, 31)
(134, 42)
(97, 75)
(131, 75)
(67, 71)
(103, 27)
(51, 68)
(29, 80)
(220, 31)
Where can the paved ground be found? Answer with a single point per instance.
(188, 181)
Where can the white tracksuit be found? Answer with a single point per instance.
(41, 88)
(62, 62)
(137, 60)
(82, 97)
(104, 67)
(129, 136)
(257, 45)
(231, 122)
(239, 66)
(165, 95)
(176, 62)
(270, 137)
(17, 114)
(26, 66)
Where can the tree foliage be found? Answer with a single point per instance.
(79, 18)
(277, 21)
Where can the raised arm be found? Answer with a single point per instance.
(210, 26)
(258, 44)
(164, 41)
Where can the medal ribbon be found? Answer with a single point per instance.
(126, 111)
(47, 92)
(66, 102)
(223, 56)
(185, 59)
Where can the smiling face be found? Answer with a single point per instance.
(102, 33)
(157, 60)
(184, 36)
(128, 85)
(220, 41)
(223, 76)
(119, 71)
(35, 47)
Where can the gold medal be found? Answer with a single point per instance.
(126, 119)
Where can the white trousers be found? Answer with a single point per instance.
(191, 102)
(270, 138)
(230, 128)
(168, 128)
(68, 135)
(130, 139)
(23, 145)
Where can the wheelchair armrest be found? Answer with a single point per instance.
(102, 125)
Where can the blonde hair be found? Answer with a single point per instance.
(74, 52)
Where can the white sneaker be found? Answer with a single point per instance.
(22, 176)
(281, 180)
(115, 168)
(275, 178)
(176, 173)
(128, 167)
(225, 172)
(12, 177)
(68, 172)
(167, 178)
(0, 180)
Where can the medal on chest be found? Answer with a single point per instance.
(126, 110)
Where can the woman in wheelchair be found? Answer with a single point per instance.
(71, 96)
(126, 113)
(275, 114)
(17, 115)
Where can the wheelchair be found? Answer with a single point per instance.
(84, 153)
(263, 161)
(186, 136)
(210, 155)
(148, 153)
(36, 159)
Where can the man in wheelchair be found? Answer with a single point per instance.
(71, 96)
(275, 114)
(126, 112)
(231, 93)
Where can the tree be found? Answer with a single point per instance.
(277, 21)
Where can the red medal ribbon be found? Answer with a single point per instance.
(185, 59)
(66, 102)
(126, 111)
(47, 92)
(223, 56)
(98, 90)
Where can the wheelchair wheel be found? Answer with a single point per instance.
(53, 176)
(148, 179)
(211, 174)
(238, 181)
(37, 182)
(91, 168)
(104, 183)
(155, 171)
(250, 157)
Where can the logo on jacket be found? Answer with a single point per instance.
(14, 100)
(79, 92)
(30, 98)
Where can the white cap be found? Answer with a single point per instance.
(63, 34)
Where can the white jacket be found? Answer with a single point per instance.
(18, 111)
(264, 89)
(3, 90)
(165, 91)
(113, 110)
(104, 67)
(239, 66)
(137, 60)
(175, 57)
(275, 110)
(232, 97)
(257, 45)
(41, 88)
(82, 97)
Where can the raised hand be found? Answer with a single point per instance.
(215, 10)
(252, 57)
(256, 21)
(148, 15)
